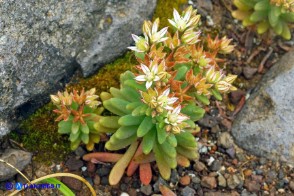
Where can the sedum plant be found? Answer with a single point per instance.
(78, 113)
(266, 14)
(155, 109)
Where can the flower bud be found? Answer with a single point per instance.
(213, 76)
(190, 36)
(225, 47)
(55, 99)
(230, 78)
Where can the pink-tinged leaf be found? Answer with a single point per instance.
(133, 165)
(103, 157)
(143, 158)
(119, 168)
(145, 173)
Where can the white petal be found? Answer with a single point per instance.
(172, 100)
(177, 110)
(154, 69)
(154, 28)
(162, 39)
(172, 23)
(136, 38)
(168, 107)
(135, 49)
(145, 69)
(166, 92)
(146, 38)
(177, 16)
(140, 78)
(148, 84)
(187, 16)
(163, 31)
(156, 78)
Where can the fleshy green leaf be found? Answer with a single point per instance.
(145, 126)
(85, 128)
(75, 127)
(262, 5)
(273, 16)
(172, 140)
(85, 138)
(161, 134)
(216, 94)
(286, 34)
(262, 27)
(148, 141)
(202, 98)
(64, 127)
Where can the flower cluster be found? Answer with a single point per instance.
(156, 106)
(77, 114)
(177, 65)
(266, 15)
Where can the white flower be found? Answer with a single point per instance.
(142, 44)
(164, 101)
(174, 117)
(155, 37)
(181, 23)
(151, 75)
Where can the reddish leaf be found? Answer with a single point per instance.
(103, 157)
(134, 165)
(143, 158)
(145, 173)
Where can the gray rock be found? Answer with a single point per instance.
(18, 158)
(265, 125)
(42, 44)
(187, 191)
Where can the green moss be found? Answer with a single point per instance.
(164, 10)
(41, 135)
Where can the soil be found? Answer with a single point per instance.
(223, 168)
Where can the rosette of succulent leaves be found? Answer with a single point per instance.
(266, 14)
(77, 115)
(155, 109)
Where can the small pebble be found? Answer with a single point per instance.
(215, 166)
(185, 180)
(187, 191)
(124, 194)
(147, 190)
(196, 180)
(208, 182)
(225, 140)
(97, 180)
(221, 181)
(249, 72)
(199, 166)
(247, 172)
(291, 185)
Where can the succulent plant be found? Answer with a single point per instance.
(266, 14)
(77, 115)
(155, 109)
